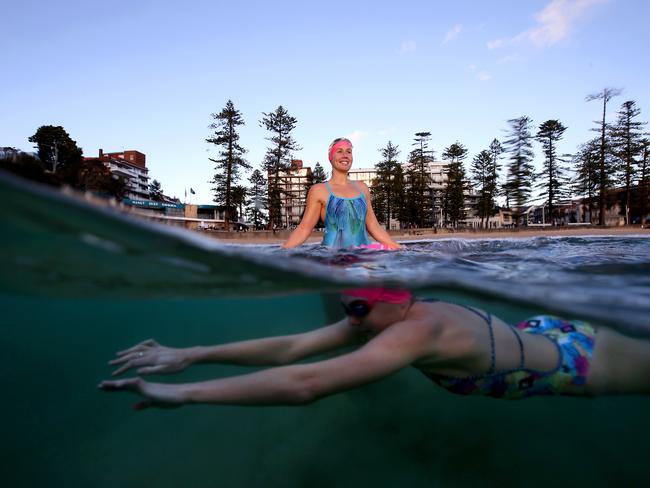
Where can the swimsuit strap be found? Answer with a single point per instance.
(522, 357)
(488, 320)
(354, 184)
(493, 359)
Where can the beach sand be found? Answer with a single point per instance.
(426, 234)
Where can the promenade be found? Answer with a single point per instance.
(278, 237)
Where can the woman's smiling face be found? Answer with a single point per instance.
(342, 157)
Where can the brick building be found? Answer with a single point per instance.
(130, 165)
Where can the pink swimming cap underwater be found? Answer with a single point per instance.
(373, 295)
(336, 143)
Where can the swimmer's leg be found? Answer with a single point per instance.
(620, 364)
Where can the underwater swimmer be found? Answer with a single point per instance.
(343, 205)
(463, 349)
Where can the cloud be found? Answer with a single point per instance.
(508, 59)
(554, 23)
(496, 43)
(481, 75)
(356, 135)
(452, 33)
(407, 46)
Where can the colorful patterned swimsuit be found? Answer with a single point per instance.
(574, 342)
(345, 220)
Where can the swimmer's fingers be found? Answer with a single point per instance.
(127, 357)
(130, 384)
(130, 362)
(121, 360)
(139, 347)
(155, 394)
(161, 368)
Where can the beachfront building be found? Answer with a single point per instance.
(173, 212)
(131, 166)
(294, 185)
(366, 175)
(437, 176)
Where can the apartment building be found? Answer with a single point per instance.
(437, 182)
(294, 185)
(130, 165)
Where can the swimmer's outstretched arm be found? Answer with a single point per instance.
(149, 357)
(392, 350)
(309, 219)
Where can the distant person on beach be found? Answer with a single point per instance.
(343, 205)
(463, 349)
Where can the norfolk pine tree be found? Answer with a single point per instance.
(604, 167)
(496, 149)
(484, 175)
(387, 191)
(230, 157)
(314, 177)
(419, 197)
(586, 169)
(520, 168)
(626, 135)
(278, 157)
(156, 191)
(553, 175)
(454, 194)
(239, 194)
(319, 175)
(644, 179)
(257, 202)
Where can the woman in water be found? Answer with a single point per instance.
(343, 205)
(462, 349)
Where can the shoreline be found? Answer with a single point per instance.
(267, 237)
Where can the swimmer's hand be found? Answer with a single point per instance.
(151, 358)
(158, 395)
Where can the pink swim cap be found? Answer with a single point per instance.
(373, 295)
(336, 143)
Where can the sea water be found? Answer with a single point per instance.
(78, 283)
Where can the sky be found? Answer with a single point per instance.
(147, 75)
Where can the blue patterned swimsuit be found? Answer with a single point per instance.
(345, 220)
(574, 341)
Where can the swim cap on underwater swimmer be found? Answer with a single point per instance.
(373, 295)
(336, 143)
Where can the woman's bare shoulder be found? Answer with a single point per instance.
(318, 190)
(363, 186)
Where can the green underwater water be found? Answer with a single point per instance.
(77, 284)
(59, 430)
